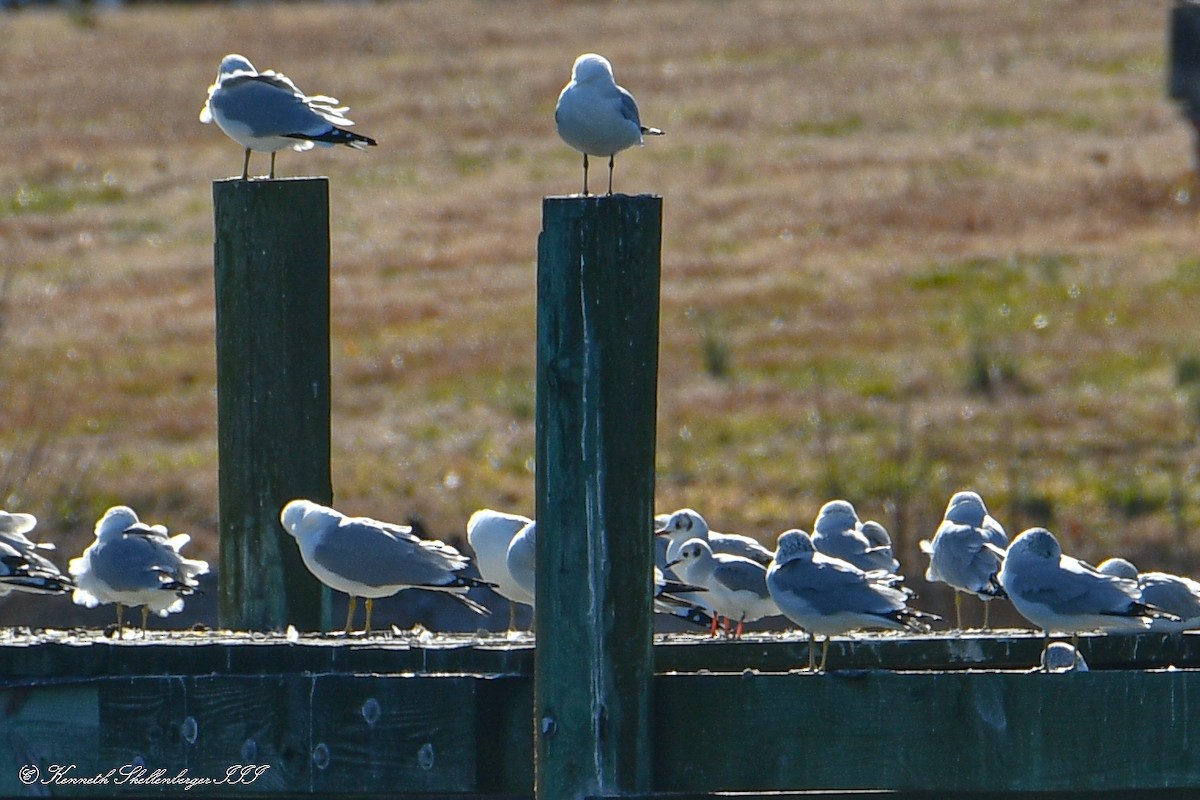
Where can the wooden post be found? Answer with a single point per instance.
(597, 363)
(271, 260)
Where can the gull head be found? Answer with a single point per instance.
(233, 64)
(301, 516)
(1036, 543)
(876, 534)
(590, 68)
(836, 515)
(793, 545)
(694, 551)
(966, 508)
(115, 521)
(1062, 657)
(1119, 567)
(684, 522)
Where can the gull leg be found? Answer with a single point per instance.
(512, 615)
(1045, 644)
(246, 166)
(812, 652)
(145, 618)
(120, 620)
(610, 172)
(958, 609)
(986, 607)
(370, 603)
(824, 652)
(716, 618)
(272, 175)
(585, 166)
(350, 612)
(737, 634)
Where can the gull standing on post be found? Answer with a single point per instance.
(959, 556)
(838, 532)
(1174, 593)
(737, 587)
(22, 568)
(596, 116)
(490, 533)
(826, 595)
(364, 557)
(135, 564)
(265, 111)
(1057, 592)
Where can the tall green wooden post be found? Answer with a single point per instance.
(271, 258)
(597, 362)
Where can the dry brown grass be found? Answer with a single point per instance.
(863, 201)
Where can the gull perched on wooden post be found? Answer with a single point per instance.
(1174, 593)
(737, 586)
(596, 116)
(489, 533)
(265, 111)
(135, 564)
(959, 556)
(22, 567)
(364, 557)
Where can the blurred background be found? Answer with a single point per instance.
(909, 248)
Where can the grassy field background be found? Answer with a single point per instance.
(909, 247)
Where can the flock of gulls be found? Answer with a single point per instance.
(843, 577)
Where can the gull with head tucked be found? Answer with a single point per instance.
(22, 567)
(959, 556)
(596, 116)
(265, 111)
(364, 557)
(135, 564)
(1173, 593)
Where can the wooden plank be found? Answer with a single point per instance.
(271, 259)
(504, 735)
(597, 361)
(44, 727)
(946, 732)
(402, 735)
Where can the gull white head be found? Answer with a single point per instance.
(1036, 543)
(693, 552)
(685, 521)
(836, 515)
(116, 521)
(966, 508)
(233, 64)
(592, 68)
(793, 545)
(300, 516)
(1062, 657)
(1119, 568)
(17, 523)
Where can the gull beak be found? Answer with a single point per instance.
(660, 531)
(997, 550)
(673, 563)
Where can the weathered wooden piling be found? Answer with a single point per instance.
(597, 360)
(271, 258)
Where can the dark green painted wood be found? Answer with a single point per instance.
(271, 258)
(945, 732)
(597, 362)
(43, 727)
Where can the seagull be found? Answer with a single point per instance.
(22, 567)
(1057, 592)
(675, 598)
(1173, 593)
(596, 116)
(489, 534)
(826, 595)
(839, 533)
(135, 564)
(958, 556)
(737, 586)
(265, 111)
(366, 558)
(521, 561)
(686, 524)
(1062, 657)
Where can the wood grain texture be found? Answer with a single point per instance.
(271, 258)
(597, 361)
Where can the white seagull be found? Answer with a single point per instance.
(1174, 593)
(134, 564)
(596, 116)
(489, 533)
(839, 533)
(1057, 592)
(737, 586)
(521, 560)
(364, 557)
(22, 567)
(265, 111)
(826, 595)
(959, 556)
